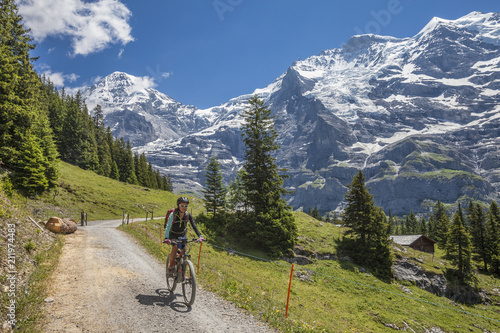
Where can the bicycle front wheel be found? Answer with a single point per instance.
(189, 283)
(171, 279)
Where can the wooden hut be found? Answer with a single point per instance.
(416, 242)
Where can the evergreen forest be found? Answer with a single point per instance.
(39, 124)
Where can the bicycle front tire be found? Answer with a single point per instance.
(171, 280)
(189, 283)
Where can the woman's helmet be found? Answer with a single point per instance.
(182, 199)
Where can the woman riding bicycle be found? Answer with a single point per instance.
(176, 226)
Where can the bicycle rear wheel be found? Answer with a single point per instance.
(171, 280)
(189, 283)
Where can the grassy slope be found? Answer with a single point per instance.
(103, 198)
(337, 298)
(34, 255)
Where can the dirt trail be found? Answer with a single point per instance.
(105, 282)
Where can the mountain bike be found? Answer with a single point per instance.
(183, 271)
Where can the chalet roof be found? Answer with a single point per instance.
(408, 239)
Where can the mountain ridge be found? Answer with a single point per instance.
(395, 108)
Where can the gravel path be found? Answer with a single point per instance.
(105, 282)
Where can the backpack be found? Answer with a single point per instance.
(170, 211)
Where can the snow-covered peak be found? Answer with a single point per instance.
(119, 90)
(486, 26)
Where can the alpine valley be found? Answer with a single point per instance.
(419, 116)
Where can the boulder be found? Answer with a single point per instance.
(299, 260)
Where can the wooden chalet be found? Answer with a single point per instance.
(416, 242)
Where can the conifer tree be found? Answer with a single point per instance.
(366, 223)
(422, 226)
(23, 118)
(214, 192)
(159, 179)
(115, 173)
(458, 248)
(274, 226)
(89, 157)
(477, 219)
(493, 236)
(237, 198)
(439, 224)
(72, 133)
(29, 174)
(316, 214)
(328, 218)
(103, 148)
(152, 176)
(55, 107)
(391, 227)
(411, 223)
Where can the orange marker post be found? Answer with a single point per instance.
(289, 287)
(199, 255)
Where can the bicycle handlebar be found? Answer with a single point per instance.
(185, 240)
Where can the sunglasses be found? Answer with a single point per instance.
(183, 206)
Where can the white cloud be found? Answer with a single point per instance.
(59, 78)
(166, 75)
(143, 82)
(92, 26)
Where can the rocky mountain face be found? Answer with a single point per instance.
(419, 116)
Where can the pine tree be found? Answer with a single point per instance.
(214, 192)
(391, 227)
(262, 179)
(29, 175)
(23, 117)
(493, 236)
(316, 214)
(274, 226)
(115, 173)
(103, 148)
(478, 233)
(89, 156)
(72, 133)
(439, 224)
(411, 223)
(167, 183)
(422, 226)
(328, 218)
(237, 198)
(366, 223)
(458, 248)
(151, 176)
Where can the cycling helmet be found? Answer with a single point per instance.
(182, 199)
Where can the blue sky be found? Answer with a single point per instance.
(204, 52)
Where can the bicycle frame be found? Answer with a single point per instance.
(184, 272)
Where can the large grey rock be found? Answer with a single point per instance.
(406, 271)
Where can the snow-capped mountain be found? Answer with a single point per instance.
(420, 116)
(139, 113)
